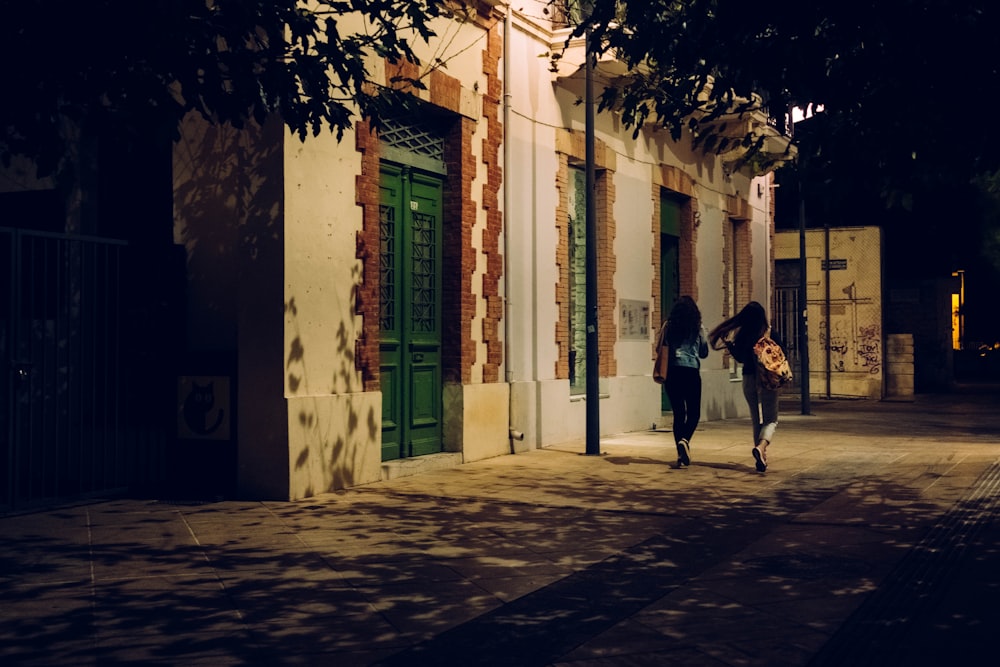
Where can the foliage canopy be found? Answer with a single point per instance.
(147, 64)
(899, 80)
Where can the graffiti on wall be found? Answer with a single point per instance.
(853, 346)
(870, 347)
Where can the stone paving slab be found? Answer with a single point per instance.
(552, 557)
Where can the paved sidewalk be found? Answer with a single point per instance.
(872, 539)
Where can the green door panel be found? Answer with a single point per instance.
(410, 298)
(390, 372)
(390, 220)
(425, 403)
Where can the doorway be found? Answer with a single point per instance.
(410, 293)
(670, 281)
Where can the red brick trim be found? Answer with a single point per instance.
(459, 215)
(687, 255)
(689, 242)
(459, 303)
(492, 279)
(740, 214)
(674, 179)
(655, 316)
(607, 296)
(562, 264)
(744, 259)
(365, 291)
(607, 261)
(445, 91)
(737, 262)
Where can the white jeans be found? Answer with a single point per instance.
(763, 404)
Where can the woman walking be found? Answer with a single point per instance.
(688, 342)
(739, 334)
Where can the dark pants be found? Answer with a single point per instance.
(683, 388)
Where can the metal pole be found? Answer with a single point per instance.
(803, 302)
(828, 326)
(593, 374)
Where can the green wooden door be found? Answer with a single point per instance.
(670, 282)
(410, 312)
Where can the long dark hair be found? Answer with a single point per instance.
(745, 327)
(684, 321)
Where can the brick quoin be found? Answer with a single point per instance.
(737, 259)
(671, 179)
(740, 214)
(607, 297)
(366, 297)
(562, 267)
(744, 262)
(770, 242)
(687, 257)
(445, 91)
(459, 307)
(655, 317)
(459, 303)
(367, 356)
(491, 203)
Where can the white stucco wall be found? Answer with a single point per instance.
(542, 406)
(332, 442)
(334, 425)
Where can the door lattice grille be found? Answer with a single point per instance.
(419, 138)
(387, 272)
(423, 273)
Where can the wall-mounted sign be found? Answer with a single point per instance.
(203, 407)
(633, 320)
(834, 264)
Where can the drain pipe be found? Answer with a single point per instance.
(513, 434)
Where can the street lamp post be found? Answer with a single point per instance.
(803, 303)
(593, 371)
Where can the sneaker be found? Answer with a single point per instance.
(759, 460)
(683, 453)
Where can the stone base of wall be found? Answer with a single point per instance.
(899, 366)
(721, 396)
(476, 420)
(420, 464)
(334, 442)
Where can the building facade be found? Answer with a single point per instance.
(671, 222)
(413, 297)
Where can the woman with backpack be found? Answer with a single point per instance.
(739, 334)
(687, 341)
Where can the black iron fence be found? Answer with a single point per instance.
(62, 400)
(785, 321)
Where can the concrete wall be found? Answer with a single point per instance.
(333, 423)
(846, 340)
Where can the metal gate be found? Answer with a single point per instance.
(786, 322)
(61, 401)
